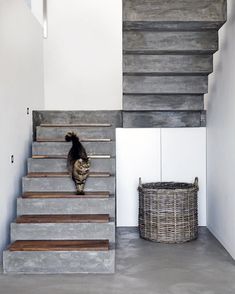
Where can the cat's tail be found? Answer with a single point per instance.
(71, 136)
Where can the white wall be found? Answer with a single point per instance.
(21, 86)
(177, 154)
(221, 138)
(83, 55)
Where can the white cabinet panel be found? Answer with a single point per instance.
(184, 158)
(138, 155)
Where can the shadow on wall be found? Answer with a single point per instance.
(220, 77)
(221, 138)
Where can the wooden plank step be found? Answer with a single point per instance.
(66, 218)
(48, 195)
(62, 175)
(76, 125)
(81, 140)
(65, 245)
(65, 156)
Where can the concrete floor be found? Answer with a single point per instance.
(202, 266)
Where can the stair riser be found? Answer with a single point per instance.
(163, 102)
(167, 64)
(165, 84)
(170, 42)
(60, 165)
(62, 231)
(54, 262)
(67, 185)
(60, 148)
(163, 119)
(78, 117)
(66, 206)
(173, 11)
(83, 132)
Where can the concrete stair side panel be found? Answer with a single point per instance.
(165, 84)
(167, 64)
(164, 119)
(162, 42)
(164, 102)
(174, 11)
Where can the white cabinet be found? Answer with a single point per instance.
(138, 154)
(184, 158)
(177, 154)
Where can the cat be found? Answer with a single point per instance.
(78, 162)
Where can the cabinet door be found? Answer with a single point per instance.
(184, 158)
(138, 155)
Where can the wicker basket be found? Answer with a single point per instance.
(168, 211)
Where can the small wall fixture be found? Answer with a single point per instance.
(45, 23)
(12, 159)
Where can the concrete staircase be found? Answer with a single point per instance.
(57, 231)
(168, 51)
(167, 57)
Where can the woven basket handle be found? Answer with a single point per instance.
(140, 182)
(196, 182)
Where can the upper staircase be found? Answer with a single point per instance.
(168, 51)
(57, 231)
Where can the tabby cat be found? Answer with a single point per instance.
(78, 162)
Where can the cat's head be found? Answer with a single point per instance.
(70, 136)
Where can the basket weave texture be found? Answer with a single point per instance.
(168, 211)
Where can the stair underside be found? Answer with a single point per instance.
(60, 245)
(173, 25)
(79, 218)
(174, 11)
(167, 55)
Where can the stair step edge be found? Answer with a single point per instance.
(65, 156)
(65, 245)
(77, 125)
(41, 195)
(64, 175)
(81, 140)
(66, 218)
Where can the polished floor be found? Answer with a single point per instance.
(199, 267)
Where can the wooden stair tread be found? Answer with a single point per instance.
(62, 175)
(81, 140)
(59, 218)
(65, 156)
(60, 245)
(45, 195)
(76, 125)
